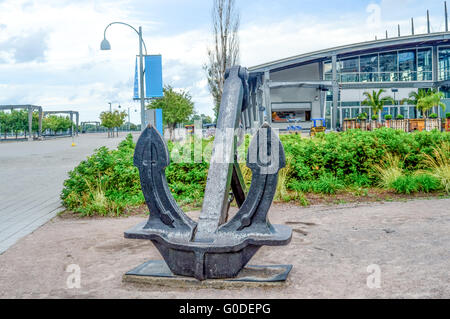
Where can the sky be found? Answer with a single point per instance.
(50, 49)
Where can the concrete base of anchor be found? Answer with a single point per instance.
(157, 273)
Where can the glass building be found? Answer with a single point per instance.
(331, 83)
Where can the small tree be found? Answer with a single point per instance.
(426, 103)
(376, 102)
(414, 97)
(225, 51)
(177, 107)
(112, 120)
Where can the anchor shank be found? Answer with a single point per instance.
(215, 203)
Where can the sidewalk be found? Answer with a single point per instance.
(31, 180)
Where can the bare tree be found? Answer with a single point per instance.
(225, 52)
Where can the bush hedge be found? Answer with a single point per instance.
(107, 182)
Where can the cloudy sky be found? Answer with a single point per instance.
(50, 55)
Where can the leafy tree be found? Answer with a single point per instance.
(206, 119)
(225, 51)
(16, 121)
(376, 102)
(414, 97)
(426, 103)
(56, 123)
(112, 120)
(177, 107)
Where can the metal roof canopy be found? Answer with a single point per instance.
(30, 108)
(71, 113)
(96, 123)
(353, 49)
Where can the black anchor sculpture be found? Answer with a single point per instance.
(214, 248)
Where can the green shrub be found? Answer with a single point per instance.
(107, 182)
(104, 183)
(447, 115)
(388, 117)
(374, 117)
(427, 183)
(433, 116)
(362, 116)
(400, 117)
(327, 184)
(405, 184)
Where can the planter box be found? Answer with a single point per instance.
(398, 125)
(373, 125)
(433, 124)
(363, 125)
(348, 125)
(416, 125)
(447, 125)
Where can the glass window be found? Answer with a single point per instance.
(425, 64)
(328, 71)
(407, 61)
(412, 112)
(444, 64)
(348, 65)
(354, 103)
(446, 91)
(388, 62)
(388, 67)
(369, 68)
(346, 114)
(407, 65)
(424, 60)
(369, 63)
(350, 77)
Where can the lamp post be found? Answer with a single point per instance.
(105, 45)
(395, 101)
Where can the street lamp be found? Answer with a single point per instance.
(395, 101)
(105, 45)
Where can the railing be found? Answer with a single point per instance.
(401, 76)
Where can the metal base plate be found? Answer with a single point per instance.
(156, 272)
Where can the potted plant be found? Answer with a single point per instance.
(362, 121)
(387, 119)
(447, 122)
(427, 103)
(349, 124)
(399, 123)
(373, 124)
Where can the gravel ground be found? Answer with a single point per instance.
(331, 248)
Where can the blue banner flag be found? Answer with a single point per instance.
(153, 76)
(136, 82)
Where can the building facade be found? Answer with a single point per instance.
(331, 83)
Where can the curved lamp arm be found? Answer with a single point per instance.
(140, 37)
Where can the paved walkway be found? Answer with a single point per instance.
(372, 250)
(31, 179)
